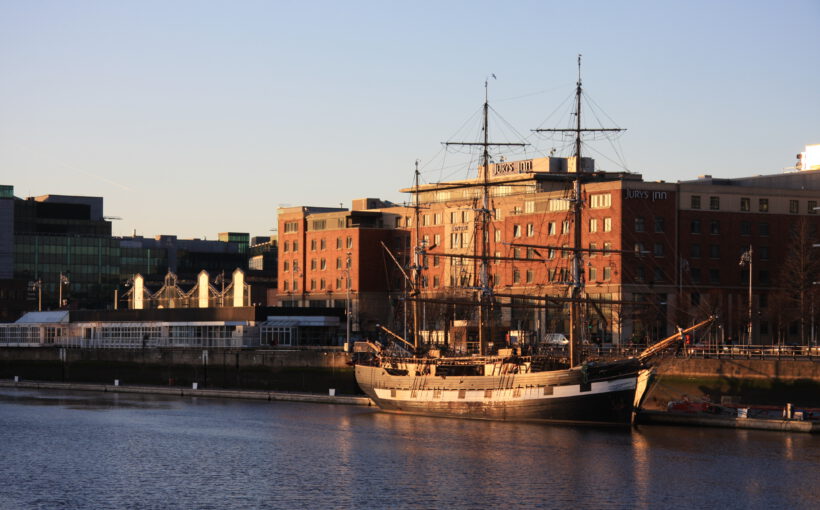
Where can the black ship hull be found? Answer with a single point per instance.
(557, 396)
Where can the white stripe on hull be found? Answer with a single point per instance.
(504, 395)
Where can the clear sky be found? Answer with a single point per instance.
(195, 117)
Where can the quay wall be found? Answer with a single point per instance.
(268, 369)
(749, 381)
(735, 380)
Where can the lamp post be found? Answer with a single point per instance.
(63, 281)
(746, 258)
(347, 298)
(39, 285)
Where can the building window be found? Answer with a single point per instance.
(437, 219)
(695, 251)
(640, 274)
(286, 246)
(659, 249)
(745, 228)
(436, 281)
(660, 225)
(658, 275)
(516, 276)
(600, 201)
(607, 273)
(695, 202)
(322, 244)
(794, 206)
(812, 206)
(607, 224)
(349, 242)
(338, 243)
(745, 204)
(593, 225)
(291, 226)
(763, 205)
(714, 276)
(565, 253)
(529, 276)
(313, 245)
(695, 227)
(639, 225)
(565, 227)
(639, 249)
(593, 274)
(323, 264)
(453, 217)
(313, 264)
(550, 253)
(498, 235)
(607, 248)
(714, 227)
(286, 266)
(763, 252)
(286, 286)
(455, 240)
(516, 230)
(763, 229)
(592, 248)
(695, 272)
(312, 284)
(529, 206)
(295, 285)
(763, 276)
(551, 228)
(694, 298)
(714, 203)
(338, 262)
(530, 230)
(714, 251)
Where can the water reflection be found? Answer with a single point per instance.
(157, 452)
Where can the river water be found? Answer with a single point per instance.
(78, 450)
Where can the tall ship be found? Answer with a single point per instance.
(503, 381)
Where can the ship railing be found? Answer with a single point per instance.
(776, 352)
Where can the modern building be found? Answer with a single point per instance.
(58, 251)
(238, 327)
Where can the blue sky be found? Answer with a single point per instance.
(195, 117)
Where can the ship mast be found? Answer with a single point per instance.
(483, 219)
(577, 286)
(418, 260)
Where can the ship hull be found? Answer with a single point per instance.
(558, 396)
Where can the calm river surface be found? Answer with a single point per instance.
(61, 450)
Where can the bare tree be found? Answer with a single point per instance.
(798, 272)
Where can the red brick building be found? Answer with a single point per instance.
(328, 256)
(659, 254)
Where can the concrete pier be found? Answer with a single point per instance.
(189, 392)
(697, 420)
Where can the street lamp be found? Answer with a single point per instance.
(347, 298)
(63, 281)
(39, 286)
